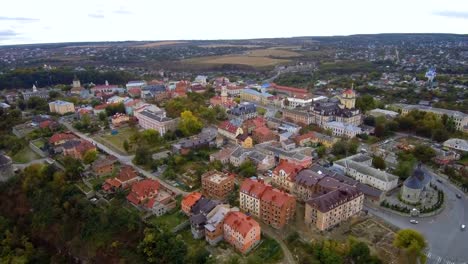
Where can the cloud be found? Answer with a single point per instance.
(21, 19)
(452, 14)
(8, 34)
(96, 16)
(122, 12)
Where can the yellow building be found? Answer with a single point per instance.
(348, 99)
(61, 107)
(245, 141)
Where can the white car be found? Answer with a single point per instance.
(413, 221)
(462, 227)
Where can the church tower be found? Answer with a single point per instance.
(348, 98)
(76, 82)
(224, 94)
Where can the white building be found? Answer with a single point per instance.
(457, 144)
(381, 112)
(341, 129)
(460, 119)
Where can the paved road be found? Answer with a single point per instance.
(447, 243)
(122, 158)
(288, 257)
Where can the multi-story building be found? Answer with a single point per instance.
(199, 215)
(143, 191)
(273, 206)
(329, 209)
(341, 129)
(217, 184)
(189, 201)
(244, 111)
(214, 223)
(241, 231)
(460, 118)
(252, 95)
(229, 130)
(61, 107)
(77, 148)
(456, 144)
(155, 119)
(366, 174)
(284, 175)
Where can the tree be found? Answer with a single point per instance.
(440, 135)
(189, 124)
(321, 150)
(378, 163)
(412, 242)
(261, 111)
(161, 246)
(379, 131)
(359, 253)
(365, 102)
(126, 146)
(424, 153)
(247, 169)
(142, 156)
(90, 156)
(369, 121)
(112, 109)
(102, 116)
(73, 167)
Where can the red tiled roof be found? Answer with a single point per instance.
(290, 169)
(61, 136)
(305, 136)
(348, 91)
(126, 173)
(131, 197)
(253, 187)
(45, 124)
(264, 131)
(145, 187)
(228, 126)
(240, 222)
(191, 199)
(276, 197)
(289, 89)
(134, 91)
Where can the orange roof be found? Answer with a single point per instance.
(348, 91)
(191, 199)
(61, 136)
(126, 173)
(276, 197)
(240, 222)
(262, 131)
(145, 187)
(305, 136)
(291, 169)
(228, 126)
(290, 89)
(253, 187)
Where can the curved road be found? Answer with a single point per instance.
(447, 243)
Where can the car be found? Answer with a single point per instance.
(458, 196)
(93, 200)
(413, 221)
(462, 227)
(439, 180)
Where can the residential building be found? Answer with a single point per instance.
(460, 118)
(214, 231)
(104, 166)
(329, 209)
(229, 130)
(341, 129)
(127, 176)
(199, 213)
(44, 94)
(290, 91)
(204, 139)
(244, 111)
(326, 140)
(274, 207)
(382, 112)
(155, 119)
(217, 184)
(263, 134)
(284, 175)
(106, 89)
(252, 95)
(135, 84)
(241, 231)
(116, 99)
(161, 204)
(59, 139)
(223, 155)
(245, 141)
(189, 201)
(143, 191)
(293, 102)
(305, 139)
(61, 107)
(77, 148)
(456, 144)
(366, 174)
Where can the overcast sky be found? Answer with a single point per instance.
(44, 21)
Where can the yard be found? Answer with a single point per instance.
(39, 143)
(25, 155)
(169, 220)
(116, 141)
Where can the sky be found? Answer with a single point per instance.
(49, 21)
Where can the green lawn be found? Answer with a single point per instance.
(83, 187)
(269, 251)
(169, 220)
(118, 139)
(39, 143)
(25, 155)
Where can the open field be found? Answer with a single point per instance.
(117, 140)
(237, 59)
(169, 220)
(159, 44)
(25, 155)
(228, 46)
(280, 53)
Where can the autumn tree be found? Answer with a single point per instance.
(90, 156)
(189, 124)
(161, 246)
(412, 243)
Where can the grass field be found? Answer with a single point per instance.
(228, 46)
(158, 44)
(280, 53)
(169, 220)
(118, 139)
(237, 59)
(25, 155)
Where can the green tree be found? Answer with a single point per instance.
(378, 162)
(142, 156)
(261, 111)
(321, 150)
(189, 124)
(247, 169)
(126, 145)
(73, 167)
(424, 153)
(365, 103)
(102, 116)
(161, 246)
(412, 243)
(90, 156)
(359, 253)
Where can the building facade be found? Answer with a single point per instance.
(61, 107)
(217, 184)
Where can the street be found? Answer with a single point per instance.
(446, 242)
